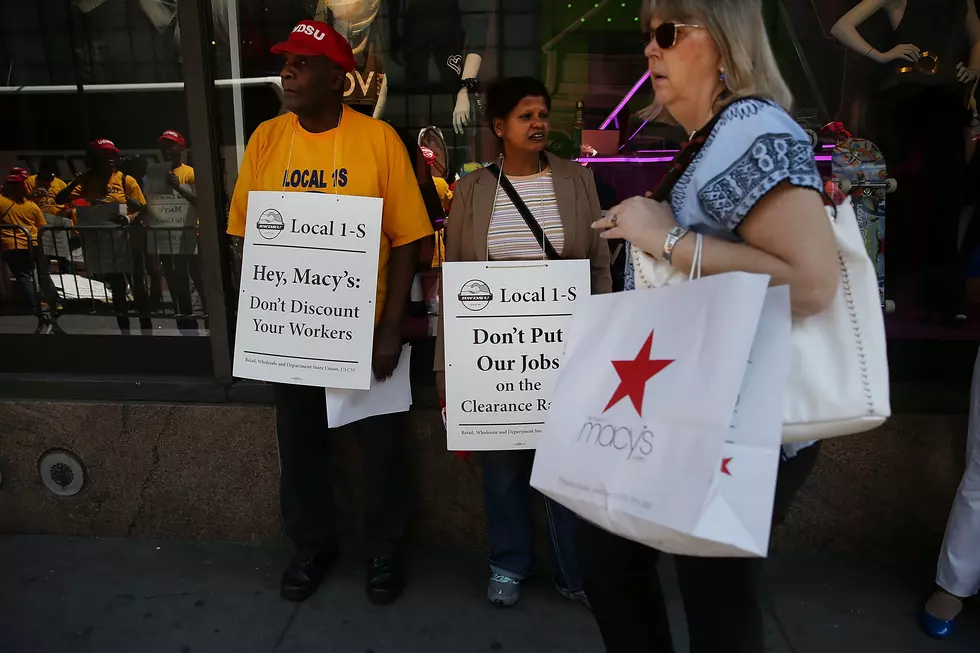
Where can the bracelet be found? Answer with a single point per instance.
(870, 50)
(471, 84)
(673, 237)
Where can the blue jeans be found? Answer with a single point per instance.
(510, 521)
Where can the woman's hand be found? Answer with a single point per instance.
(644, 222)
(904, 52)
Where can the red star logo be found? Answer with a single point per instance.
(724, 466)
(634, 374)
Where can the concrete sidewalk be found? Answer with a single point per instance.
(127, 595)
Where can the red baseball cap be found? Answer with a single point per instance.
(103, 144)
(317, 39)
(173, 137)
(15, 176)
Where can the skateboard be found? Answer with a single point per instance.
(859, 171)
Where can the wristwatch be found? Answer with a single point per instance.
(673, 237)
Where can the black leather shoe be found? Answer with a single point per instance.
(305, 573)
(385, 580)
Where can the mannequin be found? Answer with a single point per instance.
(462, 114)
(918, 114)
(424, 32)
(354, 19)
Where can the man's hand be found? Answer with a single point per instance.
(174, 182)
(387, 350)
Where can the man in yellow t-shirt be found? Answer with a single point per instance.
(181, 262)
(19, 243)
(103, 183)
(320, 147)
(44, 187)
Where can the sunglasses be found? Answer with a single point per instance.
(665, 35)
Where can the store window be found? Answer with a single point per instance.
(101, 229)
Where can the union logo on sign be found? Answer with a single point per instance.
(475, 295)
(270, 224)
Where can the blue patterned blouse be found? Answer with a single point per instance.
(754, 147)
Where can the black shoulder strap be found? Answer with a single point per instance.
(532, 224)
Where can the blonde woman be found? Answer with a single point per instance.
(754, 193)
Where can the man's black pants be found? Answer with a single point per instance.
(306, 490)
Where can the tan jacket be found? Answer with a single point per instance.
(578, 206)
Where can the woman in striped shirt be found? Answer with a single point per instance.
(484, 224)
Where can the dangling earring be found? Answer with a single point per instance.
(723, 76)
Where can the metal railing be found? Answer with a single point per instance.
(112, 270)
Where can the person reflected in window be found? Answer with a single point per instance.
(485, 224)
(42, 189)
(181, 263)
(20, 244)
(103, 183)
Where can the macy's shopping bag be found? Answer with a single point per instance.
(665, 423)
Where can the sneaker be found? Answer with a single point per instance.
(503, 591)
(578, 597)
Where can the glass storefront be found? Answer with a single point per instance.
(143, 109)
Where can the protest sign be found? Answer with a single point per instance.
(309, 289)
(106, 250)
(170, 214)
(504, 335)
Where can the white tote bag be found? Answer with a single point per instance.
(651, 433)
(838, 381)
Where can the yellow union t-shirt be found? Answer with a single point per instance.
(46, 202)
(24, 214)
(371, 161)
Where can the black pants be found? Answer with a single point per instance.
(180, 270)
(721, 595)
(19, 262)
(306, 490)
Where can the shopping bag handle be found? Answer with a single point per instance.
(696, 261)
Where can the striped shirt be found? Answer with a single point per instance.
(509, 238)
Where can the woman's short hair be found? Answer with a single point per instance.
(739, 32)
(505, 94)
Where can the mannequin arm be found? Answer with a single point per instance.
(845, 30)
(461, 114)
(379, 108)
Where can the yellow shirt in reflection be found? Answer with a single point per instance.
(24, 214)
(185, 174)
(46, 200)
(119, 188)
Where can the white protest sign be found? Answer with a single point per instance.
(504, 335)
(106, 250)
(309, 289)
(169, 213)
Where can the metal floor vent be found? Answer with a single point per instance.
(62, 472)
